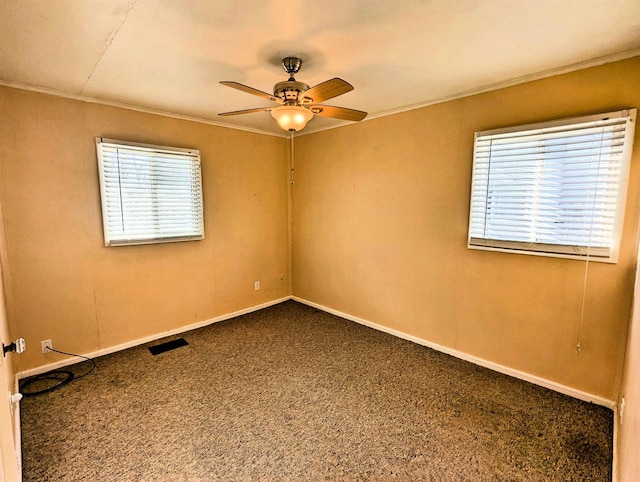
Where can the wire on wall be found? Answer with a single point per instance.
(291, 181)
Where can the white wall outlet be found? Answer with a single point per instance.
(46, 345)
(621, 410)
(256, 285)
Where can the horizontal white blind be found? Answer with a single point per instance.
(556, 188)
(150, 194)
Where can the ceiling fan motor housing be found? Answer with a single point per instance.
(290, 90)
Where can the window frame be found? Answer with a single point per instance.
(112, 239)
(560, 250)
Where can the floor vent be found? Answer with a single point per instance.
(169, 345)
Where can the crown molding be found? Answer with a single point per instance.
(121, 105)
(458, 95)
(510, 83)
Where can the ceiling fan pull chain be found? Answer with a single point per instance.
(291, 181)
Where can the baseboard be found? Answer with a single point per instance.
(572, 392)
(147, 339)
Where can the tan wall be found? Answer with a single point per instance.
(380, 213)
(629, 428)
(68, 287)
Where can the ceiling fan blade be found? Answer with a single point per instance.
(247, 111)
(249, 90)
(327, 90)
(338, 112)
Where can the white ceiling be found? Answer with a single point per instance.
(169, 55)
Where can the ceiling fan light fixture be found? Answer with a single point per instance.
(292, 117)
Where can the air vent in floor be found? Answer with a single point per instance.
(169, 345)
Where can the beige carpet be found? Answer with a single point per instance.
(291, 393)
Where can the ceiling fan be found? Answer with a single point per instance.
(299, 102)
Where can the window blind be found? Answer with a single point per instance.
(150, 194)
(555, 188)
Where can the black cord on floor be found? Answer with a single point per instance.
(93, 363)
(59, 378)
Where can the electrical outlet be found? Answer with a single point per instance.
(621, 410)
(256, 285)
(46, 345)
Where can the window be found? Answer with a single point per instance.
(556, 188)
(150, 194)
